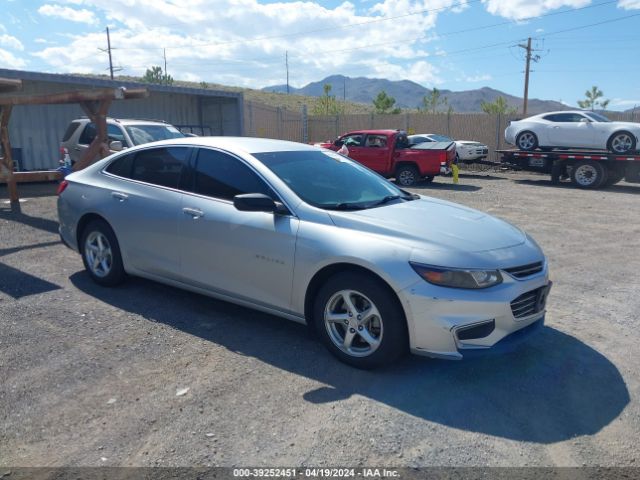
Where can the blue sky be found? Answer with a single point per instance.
(450, 44)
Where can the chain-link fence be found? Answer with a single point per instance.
(272, 122)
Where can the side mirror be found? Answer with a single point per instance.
(257, 202)
(338, 143)
(585, 120)
(116, 145)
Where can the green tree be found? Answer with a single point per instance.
(383, 103)
(591, 99)
(498, 107)
(327, 103)
(156, 75)
(204, 85)
(432, 102)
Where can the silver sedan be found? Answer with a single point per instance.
(309, 235)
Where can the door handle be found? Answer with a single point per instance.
(194, 212)
(119, 196)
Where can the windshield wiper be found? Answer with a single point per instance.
(343, 206)
(390, 198)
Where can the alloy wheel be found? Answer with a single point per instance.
(621, 143)
(354, 323)
(97, 251)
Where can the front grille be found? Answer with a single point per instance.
(525, 270)
(530, 302)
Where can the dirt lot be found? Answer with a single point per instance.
(89, 376)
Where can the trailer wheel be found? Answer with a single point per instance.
(407, 175)
(588, 174)
(621, 142)
(527, 141)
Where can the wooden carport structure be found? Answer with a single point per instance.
(95, 103)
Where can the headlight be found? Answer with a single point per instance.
(458, 278)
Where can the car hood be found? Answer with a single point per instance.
(469, 143)
(433, 224)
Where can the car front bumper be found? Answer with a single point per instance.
(458, 323)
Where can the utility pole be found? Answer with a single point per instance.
(286, 64)
(109, 50)
(164, 54)
(529, 57)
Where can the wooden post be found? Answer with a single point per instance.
(97, 113)
(5, 113)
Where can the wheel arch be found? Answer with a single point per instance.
(326, 272)
(406, 163)
(83, 222)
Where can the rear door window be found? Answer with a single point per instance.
(122, 166)
(73, 126)
(160, 166)
(88, 134)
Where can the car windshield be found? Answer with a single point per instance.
(331, 181)
(151, 133)
(597, 117)
(440, 138)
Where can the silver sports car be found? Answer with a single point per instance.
(309, 235)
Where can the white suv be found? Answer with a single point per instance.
(122, 133)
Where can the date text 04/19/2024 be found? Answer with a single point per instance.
(315, 473)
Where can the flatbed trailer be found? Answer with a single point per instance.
(585, 169)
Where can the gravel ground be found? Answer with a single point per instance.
(148, 375)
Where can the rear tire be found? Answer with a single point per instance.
(527, 141)
(588, 174)
(101, 254)
(360, 321)
(407, 175)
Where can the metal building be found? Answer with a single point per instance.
(36, 131)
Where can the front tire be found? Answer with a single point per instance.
(360, 321)
(527, 141)
(407, 175)
(101, 254)
(588, 174)
(621, 142)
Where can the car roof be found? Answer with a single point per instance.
(372, 132)
(237, 144)
(127, 121)
(559, 111)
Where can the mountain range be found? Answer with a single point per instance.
(409, 94)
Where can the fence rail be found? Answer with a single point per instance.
(273, 122)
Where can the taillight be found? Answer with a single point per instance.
(61, 188)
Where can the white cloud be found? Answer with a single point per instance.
(67, 13)
(619, 102)
(519, 9)
(10, 42)
(629, 4)
(478, 78)
(9, 60)
(210, 40)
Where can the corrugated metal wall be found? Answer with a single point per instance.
(36, 131)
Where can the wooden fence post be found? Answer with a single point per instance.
(5, 113)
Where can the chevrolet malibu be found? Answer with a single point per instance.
(307, 234)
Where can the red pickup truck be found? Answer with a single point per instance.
(389, 153)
